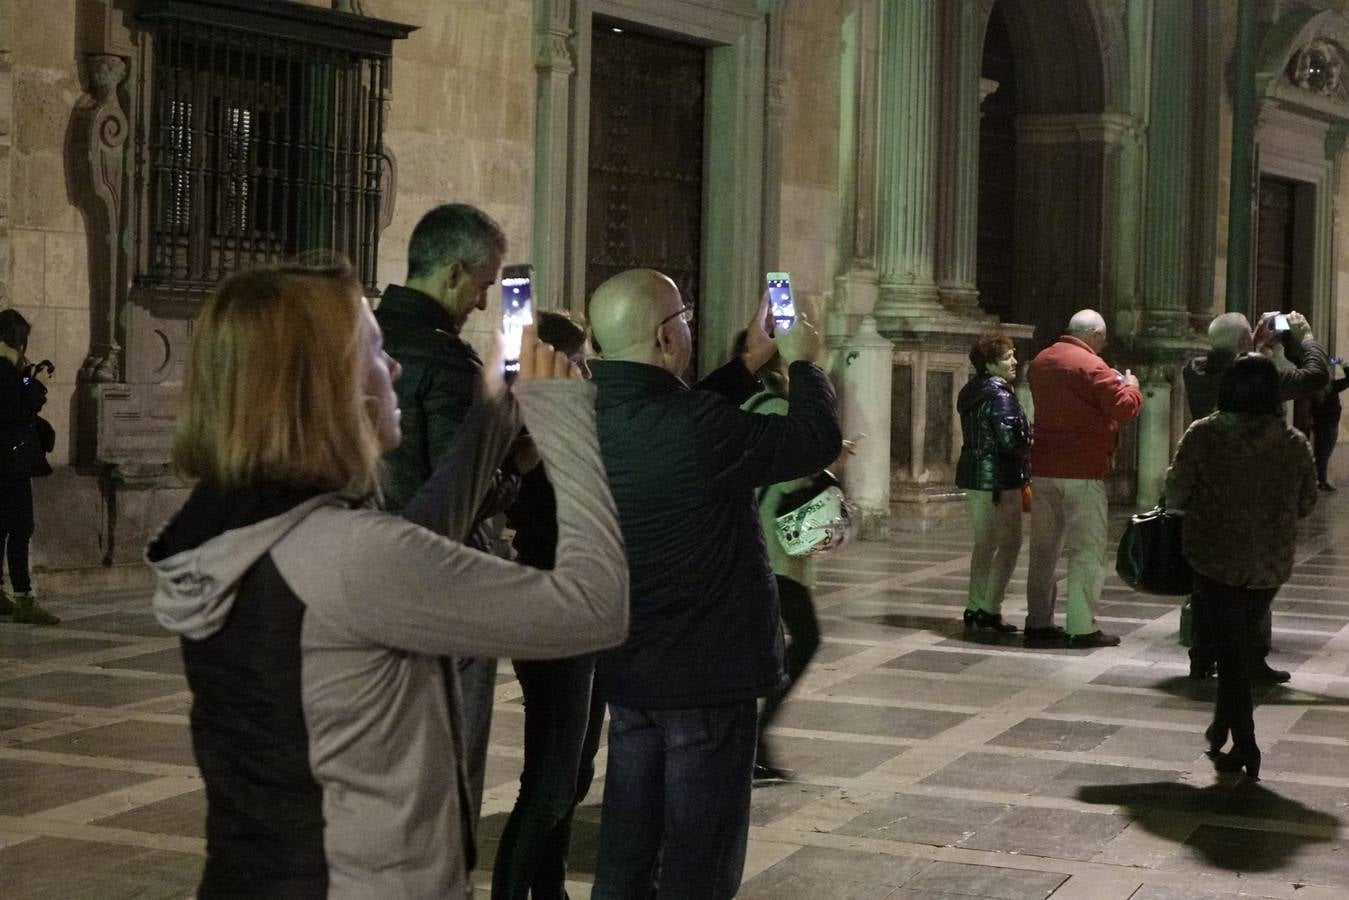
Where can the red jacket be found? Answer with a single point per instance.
(1079, 405)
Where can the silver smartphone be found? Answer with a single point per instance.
(517, 309)
(780, 300)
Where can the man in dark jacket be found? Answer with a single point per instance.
(706, 638)
(1303, 365)
(454, 256)
(1304, 370)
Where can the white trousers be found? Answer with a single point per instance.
(1067, 513)
(997, 544)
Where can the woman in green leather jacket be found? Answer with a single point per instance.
(994, 468)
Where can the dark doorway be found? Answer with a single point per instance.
(997, 173)
(1283, 246)
(645, 198)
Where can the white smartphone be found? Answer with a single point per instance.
(780, 300)
(517, 309)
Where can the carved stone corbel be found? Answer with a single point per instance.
(388, 177)
(109, 129)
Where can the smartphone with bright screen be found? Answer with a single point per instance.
(517, 310)
(780, 300)
(1280, 322)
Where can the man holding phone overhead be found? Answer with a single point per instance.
(454, 256)
(706, 639)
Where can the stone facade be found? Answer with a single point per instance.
(843, 141)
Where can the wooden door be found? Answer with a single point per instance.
(1275, 263)
(645, 196)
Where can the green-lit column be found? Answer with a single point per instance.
(1243, 161)
(1166, 200)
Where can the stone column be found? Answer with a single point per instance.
(1164, 279)
(958, 158)
(552, 110)
(864, 374)
(855, 280)
(907, 176)
(775, 75)
(1154, 435)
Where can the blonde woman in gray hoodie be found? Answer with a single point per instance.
(1240, 546)
(314, 627)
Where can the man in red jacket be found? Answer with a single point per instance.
(1080, 403)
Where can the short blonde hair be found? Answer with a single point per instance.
(275, 385)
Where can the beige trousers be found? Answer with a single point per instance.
(997, 544)
(1067, 513)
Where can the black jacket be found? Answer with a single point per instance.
(1203, 374)
(438, 385)
(26, 436)
(683, 465)
(996, 453)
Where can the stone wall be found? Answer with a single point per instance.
(462, 122)
(47, 272)
(810, 157)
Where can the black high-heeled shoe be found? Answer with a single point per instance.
(977, 618)
(1237, 759)
(1216, 736)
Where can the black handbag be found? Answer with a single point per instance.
(1150, 558)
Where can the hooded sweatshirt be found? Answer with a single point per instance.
(312, 633)
(1243, 482)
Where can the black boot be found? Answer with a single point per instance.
(977, 618)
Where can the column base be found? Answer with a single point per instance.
(963, 300)
(919, 509)
(902, 301)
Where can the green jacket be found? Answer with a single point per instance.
(438, 385)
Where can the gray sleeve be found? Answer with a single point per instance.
(394, 584)
(452, 496)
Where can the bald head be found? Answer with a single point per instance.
(626, 313)
(1088, 326)
(1230, 332)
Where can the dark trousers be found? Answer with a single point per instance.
(803, 639)
(1203, 652)
(562, 735)
(676, 802)
(16, 529)
(1324, 436)
(1231, 619)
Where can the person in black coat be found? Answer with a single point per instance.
(26, 438)
(563, 718)
(454, 256)
(993, 469)
(705, 642)
(1304, 370)
(1325, 416)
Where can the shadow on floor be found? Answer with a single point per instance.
(1273, 694)
(1228, 847)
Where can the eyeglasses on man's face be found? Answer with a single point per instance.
(685, 315)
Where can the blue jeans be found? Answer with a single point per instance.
(562, 734)
(675, 822)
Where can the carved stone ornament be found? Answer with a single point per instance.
(1319, 67)
(109, 129)
(554, 51)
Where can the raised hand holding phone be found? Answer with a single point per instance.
(759, 346)
(802, 341)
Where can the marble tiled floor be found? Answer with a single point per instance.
(929, 764)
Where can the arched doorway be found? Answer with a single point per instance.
(1047, 141)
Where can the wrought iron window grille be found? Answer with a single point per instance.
(261, 139)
